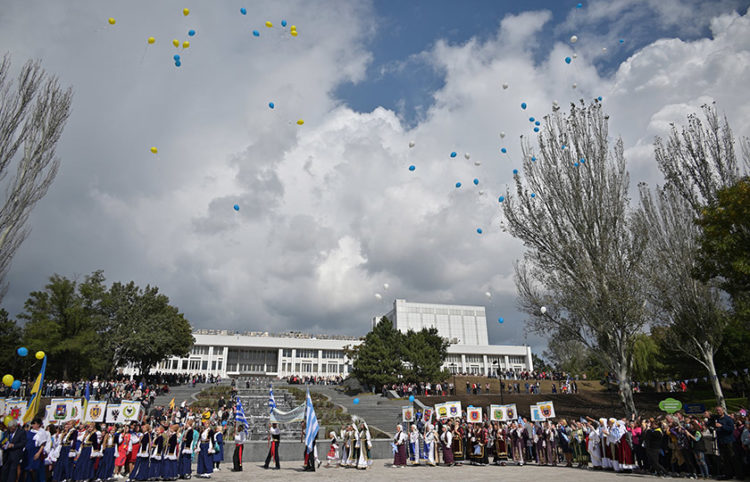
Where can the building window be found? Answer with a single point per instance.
(213, 365)
(231, 367)
(288, 352)
(204, 365)
(199, 350)
(307, 353)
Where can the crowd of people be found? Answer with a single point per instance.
(478, 388)
(711, 445)
(314, 380)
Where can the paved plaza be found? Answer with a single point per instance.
(382, 470)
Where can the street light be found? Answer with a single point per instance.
(497, 373)
(453, 370)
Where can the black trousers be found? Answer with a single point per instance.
(237, 458)
(273, 451)
(653, 461)
(726, 452)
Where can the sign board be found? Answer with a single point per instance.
(536, 414)
(694, 408)
(547, 409)
(497, 413)
(670, 405)
(474, 415)
(407, 413)
(510, 411)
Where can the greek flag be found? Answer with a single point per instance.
(311, 422)
(239, 415)
(271, 400)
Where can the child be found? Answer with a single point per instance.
(333, 451)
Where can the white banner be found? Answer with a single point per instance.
(547, 409)
(536, 414)
(2, 407)
(407, 413)
(130, 410)
(510, 411)
(297, 414)
(95, 411)
(16, 408)
(498, 413)
(113, 412)
(474, 415)
(63, 410)
(454, 409)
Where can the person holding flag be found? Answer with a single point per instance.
(240, 435)
(274, 437)
(311, 432)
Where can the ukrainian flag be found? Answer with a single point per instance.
(36, 393)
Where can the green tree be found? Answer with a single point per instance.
(10, 339)
(423, 352)
(377, 361)
(140, 327)
(62, 321)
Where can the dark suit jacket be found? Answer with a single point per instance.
(18, 439)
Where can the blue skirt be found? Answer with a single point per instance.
(169, 469)
(140, 469)
(106, 464)
(184, 466)
(64, 466)
(154, 468)
(84, 469)
(219, 454)
(205, 460)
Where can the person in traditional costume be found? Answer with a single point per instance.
(500, 444)
(414, 451)
(594, 447)
(106, 467)
(205, 451)
(333, 451)
(135, 441)
(517, 435)
(63, 469)
(84, 468)
(141, 468)
(156, 456)
(274, 438)
(171, 454)
(430, 439)
(550, 436)
(578, 444)
(218, 447)
(613, 435)
(36, 442)
(344, 448)
(365, 443)
(446, 440)
(123, 445)
(188, 441)
(540, 444)
(563, 436)
(239, 442)
(399, 440)
(606, 462)
(353, 456)
(96, 449)
(624, 448)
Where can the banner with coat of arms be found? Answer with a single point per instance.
(61, 410)
(113, 412)
(474, 415)
(130, 410)
(16, 408)
(547, 409)
(498, 413)
(427, 414)
(95, 411)
(407, 413)
(536, 414)
(511, 413)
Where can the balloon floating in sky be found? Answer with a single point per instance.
(564, 146)
(580, 5)
(568, 60)
(151, 40)
(488, 294)
(504, 150)
(583, 161)
(476, 182)
(536, 129)
(271, 105)
(8, 380)
(458, 184)
(111, 21)
(236, 207)
(300, 122)
(185, 44)
(412, 167)
(573, 39)
(154, 150)
(178, 63)
(176, 57)
(479, 230)
(283, 23)
(453, 154)
(523, 105)
(531, 119)
(575, 56)
(501, 199)
(175, 42)
(22, 351)
(186, 11)
(467, 156)
(386, 286)
(575, 85)
(256, 33)
(243, 11)
(355, 401)
(269, 24)
(543, 309)
(191, 33)
(622, 41)
(515, 171)
(39, 355)
(533, 159)
(537, 123)
(500, 320)
(411, 398)
(16, 384)
(502, 135)
(505, 86)
(533, 195)
(294, 33)
(378, 296)
(477, 163)
(599, 98)
(412, 144)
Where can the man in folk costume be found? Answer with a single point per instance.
(96, 448)
(594, 447)
(239, 442)
(156, 458)
(399, 440)
(603, 449)
(414, 437)
(14, 442)
(274, 438)
(171, 454)
(365, 443)
(188, 441)
(446, 440)
(218, 443)
(430, 438)
(624, 447)
(540, 443)
(579, 442)
(206, 451)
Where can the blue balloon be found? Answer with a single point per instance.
(271, 105)
(16, 384)
(458, 184)
(537, 123)
(177, 63)
(523, 105)
(453, 154)
(243, 11)
(533, 159)
(355, 401)
(22, 351)
(479, 230)
(533, 195)
(583, 161)
(515, 171)
(536, 129)
(568, 60)
(580, 5)
(576, 164)
(256, 33)
(531, 119)
(191, 32)
(476, 182)
(236, 207)
(563, 146)
(411, 398)
(501, 199)
(283, 23)
(622, 41)
(599, 98)
(176, 57)
(503, 150)
(500, 320)
(412, 167)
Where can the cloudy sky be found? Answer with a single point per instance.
(329, 210)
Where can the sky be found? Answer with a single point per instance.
(329, 211)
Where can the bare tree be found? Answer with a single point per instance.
(583, 257)
(33, 111)
(695, 312)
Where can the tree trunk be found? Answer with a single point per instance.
(715, 382)
(625, 390)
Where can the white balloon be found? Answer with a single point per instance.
(467, 155)
(573, 39)
(502, 135)
(604, 49)
(488, 294)
(544, 309)
(575, 56)
(555, 103)
(477, 163)
(505, 86)
(385, 286)
(481, 193)
(412, 144)
(378, 296)
(575, 85)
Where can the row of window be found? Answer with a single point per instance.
(192, 365)
(444, 311)
(307, 353)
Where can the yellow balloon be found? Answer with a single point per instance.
(185, 44)
(293, 27)
(294, 33)
(300, 122)
(151, 40)
(8, 380)
(269, 24)
(186, 11)
(40, 355)
(154, 150)
(7, 419)
(111, 21)
(176, 43)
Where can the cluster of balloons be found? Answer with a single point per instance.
(8, 379)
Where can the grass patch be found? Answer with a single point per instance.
(210, 396)
(330, 416)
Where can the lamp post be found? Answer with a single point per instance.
(453, 370)
(497, 374)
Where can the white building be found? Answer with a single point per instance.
(226, 353)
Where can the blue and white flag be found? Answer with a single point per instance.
(271, 400)
(239, 415)
(311, 422)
